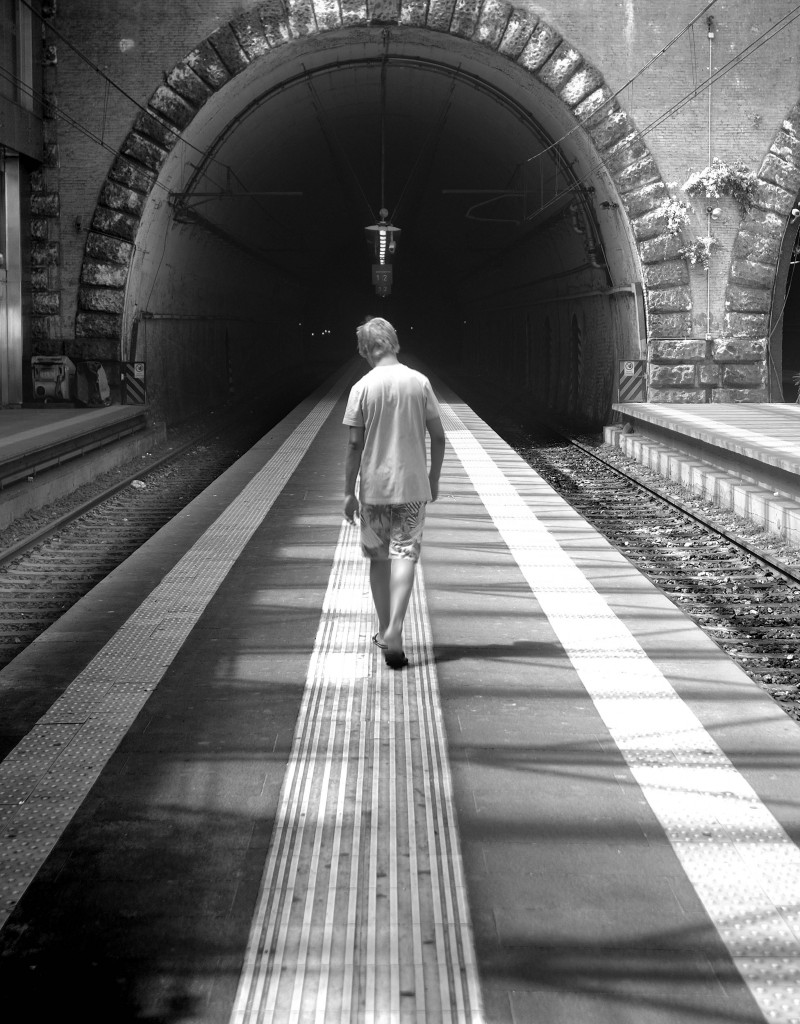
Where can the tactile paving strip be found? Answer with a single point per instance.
(46, 777)
(740, 860)
(362, 914)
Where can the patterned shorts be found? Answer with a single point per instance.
(392, 531)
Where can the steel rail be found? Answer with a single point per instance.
(50, 529)
(787, 571)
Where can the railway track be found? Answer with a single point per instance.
(745, 597)
(44, 572)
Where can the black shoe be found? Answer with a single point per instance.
(395, 659)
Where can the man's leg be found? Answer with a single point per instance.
(379, 581)
(401, 583)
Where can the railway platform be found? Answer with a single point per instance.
(744, 457)
(49, 450)
(217, 804)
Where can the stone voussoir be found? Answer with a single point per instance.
(649, 225)
(227, 48)
(208, 66)
(382, 12)
(150, 126)
(101, 300)
(585, 81)
(104, 275)
(609, 127)
(749, 272)
(144, 151)
(275, 22)
(596, 107)
(663, 247)
(780, 172)
(637, 175)
(465, 18)
(328, 16)
(559, 67)
(106, 249)
(670, 325)
(746, 325)
(772, 198)
(748, 300)
(413, 12)
(249, 31)
(753, 243)
(669, 300)
(113, 222)
(117, 197)
(189, 86)
(665, 274)
(738, 350)
(172, 107)
(440, 14)
(542, 43)
(629, 150)
(132, 176)
(645, 199)
(97, 325)
(517, 34)
(493, 22)
(787, 145)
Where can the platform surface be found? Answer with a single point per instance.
(218, 805)
(763, 432)
(27, 431)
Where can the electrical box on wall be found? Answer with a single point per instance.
(53, 378)
(632, 383)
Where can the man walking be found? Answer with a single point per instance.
(388, 412)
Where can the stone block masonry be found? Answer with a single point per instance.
(682, 367)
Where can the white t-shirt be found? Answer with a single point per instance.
(392, 403)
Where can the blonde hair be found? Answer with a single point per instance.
(377, 337)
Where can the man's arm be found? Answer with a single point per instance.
(352, 463)
(436, 430)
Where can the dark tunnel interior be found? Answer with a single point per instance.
(498, 218)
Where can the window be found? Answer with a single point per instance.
(16, 62)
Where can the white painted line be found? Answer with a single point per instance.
(715, 821)
(106, 696)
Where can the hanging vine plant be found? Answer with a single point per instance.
(676, 214)
(699, 250)
(722, 179)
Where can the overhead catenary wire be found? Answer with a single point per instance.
(123, 92)
(629, 84)
(694, 93)
(751, 48)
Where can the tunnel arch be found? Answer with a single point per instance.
(267, 31)
(754, 297)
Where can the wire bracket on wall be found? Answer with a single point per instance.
(183, 202)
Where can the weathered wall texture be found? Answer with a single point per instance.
(708, 332)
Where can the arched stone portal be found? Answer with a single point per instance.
(518, 37)
(754, 296)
